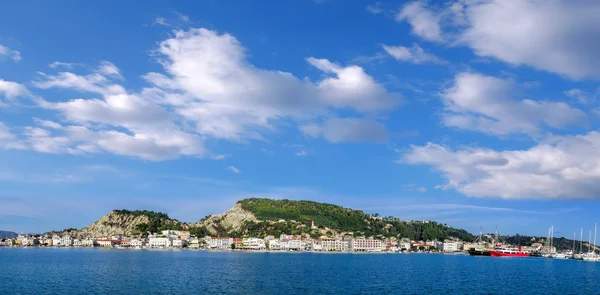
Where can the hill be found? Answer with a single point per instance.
(126, 222)
(7, 234)
(258, 216)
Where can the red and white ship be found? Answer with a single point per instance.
(509, 252)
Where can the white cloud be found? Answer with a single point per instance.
(488, 104)
(519, 32)
(234, 169)
(109, 69)
(559, 168)
(208, 90)
(6, 52)
(339, 130)
(67, 65)
(375, 8)
(183, 18)
(301, 153)
(580, 95)
(414, 54)
(161, 21)
(219, 157)
(425, 23)
(12, 89)
(224, 96)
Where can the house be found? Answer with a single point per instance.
(253, 244)
(105, 243)
(160, 242)
(6, 243)
(331, 244)
(55, 241)
(137, 243)
(66, 241)
(178, 243)
(238, 243)
(87, 243)
(365, 245)
(220, 243)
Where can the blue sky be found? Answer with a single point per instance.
(471, 113)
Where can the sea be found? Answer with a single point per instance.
(113, 271)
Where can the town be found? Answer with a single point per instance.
(180, 239)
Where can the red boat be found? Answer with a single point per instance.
(509, 252)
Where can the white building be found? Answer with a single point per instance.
(448, 247)
(220, 243)
(253, 244)
(55, 241)
(159, 242)
(179, 243)
(137, 243)
(365, 245)
(6, 243)
(106, 243)
(66, 241)
(87, 243)
(76, 243)
(330, 244)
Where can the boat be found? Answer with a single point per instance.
(478, 252)
(509, 252)
(474, 251)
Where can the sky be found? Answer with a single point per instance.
(473, 113)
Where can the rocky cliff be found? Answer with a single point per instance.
(126, 223)
(231, 220)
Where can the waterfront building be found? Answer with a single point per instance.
(365, 245)
(6, 243)
(178, 243)
(137, 243)
(330, 244)
(106, 243)
(66, 241)
(238, 242)
(87, 243)
(253, 244)
(159, 242)
(220, 243)
(55, 241)
(76, 243)
(448, 247)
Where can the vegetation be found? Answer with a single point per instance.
(298, 216)
(199, 231)
(157, 221)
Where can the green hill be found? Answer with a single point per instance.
(298, 216)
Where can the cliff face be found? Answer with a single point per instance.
(230, 220)
(116, 223)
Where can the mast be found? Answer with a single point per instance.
(595, 229)
(551, 237)
(590, 242)
(581, 241)
(574, 237)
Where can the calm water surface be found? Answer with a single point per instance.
(99, 271)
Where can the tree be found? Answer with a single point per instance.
(232, 246)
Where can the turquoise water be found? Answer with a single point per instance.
(108, 271)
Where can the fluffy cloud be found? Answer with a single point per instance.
(580, 95)
(6, 52)
(208, 90)
(12, 89)
(224, 96)
(414, 54)
(348, 130)
(425, 23)
(489, 104)
(561, 167)
(520, 32)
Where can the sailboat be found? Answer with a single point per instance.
(479, 251)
